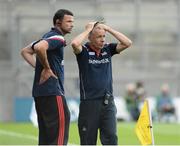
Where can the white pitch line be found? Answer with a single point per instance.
(16, 134)
(20, 135)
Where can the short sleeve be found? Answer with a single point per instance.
(55, 42)
(83, 52)
(81, 57)
(112, 48)
(34, 43)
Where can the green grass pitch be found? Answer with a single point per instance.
(26, 134)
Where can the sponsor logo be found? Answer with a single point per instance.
(91, 53)
(104, 53)
(102, 61)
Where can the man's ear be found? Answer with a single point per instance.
(58, 22)
(89, 36)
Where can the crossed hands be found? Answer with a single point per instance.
(91, 25)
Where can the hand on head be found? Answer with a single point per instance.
(90, 25)
(96, 24)
(102, 26)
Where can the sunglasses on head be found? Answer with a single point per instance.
(99, 22)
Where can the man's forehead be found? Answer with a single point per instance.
(68, 17)
(99, 26)
(98, 29)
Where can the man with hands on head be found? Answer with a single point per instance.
(97, 108)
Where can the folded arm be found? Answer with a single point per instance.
(28, 54)
(40, 48)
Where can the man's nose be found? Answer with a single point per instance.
(103, 40)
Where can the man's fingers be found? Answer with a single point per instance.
(42, 80)
(45, 75)
(54, 76)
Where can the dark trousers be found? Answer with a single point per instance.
(94, 115)
(53, 120)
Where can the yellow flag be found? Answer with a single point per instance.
(143, 126)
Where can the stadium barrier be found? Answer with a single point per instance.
(24, 109)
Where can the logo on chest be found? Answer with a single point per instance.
(104, 53)
(91, 53)
(102, 61)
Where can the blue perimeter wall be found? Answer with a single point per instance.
(23, 106)
(22, 109)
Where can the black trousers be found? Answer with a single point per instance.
(94, 115)
(53, 120)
